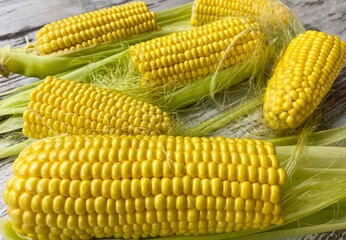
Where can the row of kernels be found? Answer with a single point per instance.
(101, 226)
(191, 59)
(85, 221)
(176, 149)
(213, 144)
(80, 39)
(106, 163)
(219, 143)
(39, 131)
(165, 188)
(63, 145)
(164, 56)
(113, 150)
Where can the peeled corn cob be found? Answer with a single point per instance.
(58, 106)
(270, 13)
(302, 77)
(143, 186)
(182, 57)
(96, 27)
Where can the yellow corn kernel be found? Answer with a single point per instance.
(183, 57)
(60, 188)
(96, 27)
(302, 78)
(269, 13)
(58, 106)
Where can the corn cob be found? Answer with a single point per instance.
(96, 27)
(270, 13)
(182, 57)
(103, 186)
(302, 77)
(58, 106)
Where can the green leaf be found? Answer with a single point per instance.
(7, 231)
(11, 124)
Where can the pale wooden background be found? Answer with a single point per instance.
(21, 19)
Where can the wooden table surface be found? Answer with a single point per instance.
(21, 19)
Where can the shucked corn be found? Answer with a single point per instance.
(82, 187)
(96, 27)
(270, 13)
(182, 57)
(302, 78)
(59, 106)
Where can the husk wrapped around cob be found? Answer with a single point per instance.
(73, 42)
(185, 67)
(37, 201)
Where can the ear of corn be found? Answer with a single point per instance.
(142, 186)
(270, 13)
(58, 106)
(281, 25)
(96, 27)
(302, 77)
(182, 57)
(309, 198)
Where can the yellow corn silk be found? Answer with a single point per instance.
(59, 106)
(96, 27)
(271, 13)
(302, 78)
(143, 186)
(183, 57)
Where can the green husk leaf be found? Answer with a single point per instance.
(17, 110)
(31, 65)
(208, 86)
(327, 137)
(13, 123)
(174, 14)
(7, 231)
(17, 100)
(12, 143)
(19, 89)
(14, 150)
(225, 117)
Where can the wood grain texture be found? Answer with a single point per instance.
(326, 15)
(21, 19)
